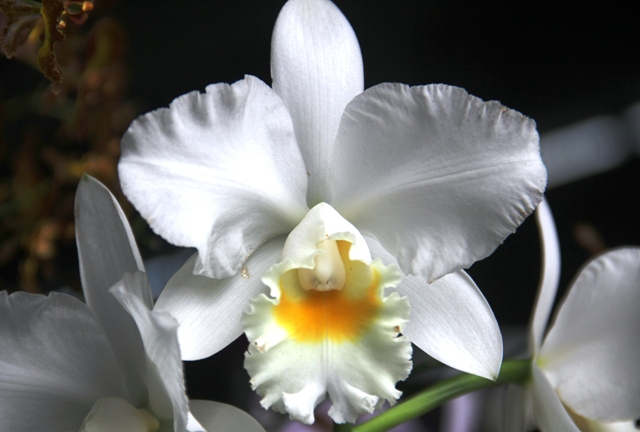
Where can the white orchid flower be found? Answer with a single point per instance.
(309, 187)
(106, 366)
(584, 375)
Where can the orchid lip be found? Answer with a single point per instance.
(328, 328)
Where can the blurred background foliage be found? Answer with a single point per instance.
(54, 130)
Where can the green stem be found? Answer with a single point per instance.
(344, 427)
(512, 371)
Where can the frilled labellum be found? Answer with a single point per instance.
(327, 327)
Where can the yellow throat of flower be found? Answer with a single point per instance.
(336, 301)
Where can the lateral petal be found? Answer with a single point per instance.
(219, 171)
(316, 68)
(55, 362)
(209, 310)
(106, 250)
(592, 352)
(438, 176)
(452, 322)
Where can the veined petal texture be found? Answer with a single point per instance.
(219, 171)
(106, 250)
(592, 351)
(55, 363)
(210, 310)
(316, 68)
(452, 322)
(438, 176)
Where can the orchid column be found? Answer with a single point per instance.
(317, 195)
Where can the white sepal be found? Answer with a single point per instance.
(317, 69)
(163, 373)
(106, 250)
(452, 322)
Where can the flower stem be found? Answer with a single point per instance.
(511, 371)
(342, 427)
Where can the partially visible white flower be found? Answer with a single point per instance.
(429, 179)
(584, 375)
(113, 365)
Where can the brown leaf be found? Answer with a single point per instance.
(51, 11)
(17, 19)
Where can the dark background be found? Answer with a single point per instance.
(556, 63)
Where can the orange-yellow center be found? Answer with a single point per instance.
(336, 315)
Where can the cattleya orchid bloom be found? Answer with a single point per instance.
(331, 196)
(109, 365)
(584, 375)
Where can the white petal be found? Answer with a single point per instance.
(547, 407)
(209, 310)
(55, 362)
(116, 414)
(514, 409)
(550, 275)
(438, 176)
(316, 67)
(106, 250)
(218, 417)
(219, 171)
(159, 331)
(592, 352)
(452, 322)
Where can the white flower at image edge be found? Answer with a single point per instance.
(294, 185)
(585, 373)
(109, 365)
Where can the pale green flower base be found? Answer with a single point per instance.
(512, 371)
